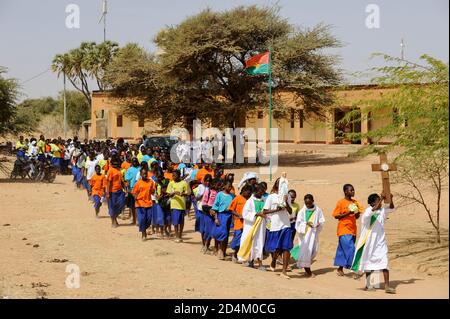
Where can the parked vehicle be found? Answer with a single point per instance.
(41, 171)
(163, 143)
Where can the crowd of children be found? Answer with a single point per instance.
(159, 194)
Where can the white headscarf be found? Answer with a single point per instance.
(246, 177)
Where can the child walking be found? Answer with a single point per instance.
(223, 218)
(372, 252)
(309, 223)
(208, 220)
(279, 238)
(98, 188)
(178, 190)
(346, 212)
(236, 207)
(142, 192)
(114, 191)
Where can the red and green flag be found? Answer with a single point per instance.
(258, 64)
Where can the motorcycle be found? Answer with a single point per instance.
(22, 168)
(46, 171)
(33, 169)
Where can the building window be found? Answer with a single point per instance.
(260, 115)
(119, 122)
(277, 115)
(292, 118)
(301, 117)
(141, 122)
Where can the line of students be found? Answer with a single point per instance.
(261, 226)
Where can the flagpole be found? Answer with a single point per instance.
(270, 114)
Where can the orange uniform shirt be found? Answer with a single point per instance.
(346, 225)
(143, 190)
(168, 176)
(115, 178)
(125, 165)
(202, 172)
(98, 184)
(237, 205)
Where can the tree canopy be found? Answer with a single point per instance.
(199, 69)
(88, 61)
(9, 93)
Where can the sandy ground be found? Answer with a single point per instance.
(46, 227)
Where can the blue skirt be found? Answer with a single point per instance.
(97, 202)
(86, 184)
(236, 241)
(178, 216)
(158, 216)
(208, 226)
(222, 231)
(279, 240)
(144, 217)
(78, 175)
(116, 203)
(199, 224)
(345, 251)
(167, 217)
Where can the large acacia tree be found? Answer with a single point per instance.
(199, 71)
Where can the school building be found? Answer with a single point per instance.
(108, 120)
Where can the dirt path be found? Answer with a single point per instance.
(115, 263)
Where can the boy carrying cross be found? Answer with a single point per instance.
(372, 251)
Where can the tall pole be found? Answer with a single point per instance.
(65, 107)
(104, 12)
(270, 113)
(402, 52)
(104, 27)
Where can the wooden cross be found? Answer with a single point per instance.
(385, 167)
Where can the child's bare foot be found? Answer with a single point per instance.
(273, 264)
(390, 290)
(220, 255)
(340, 272)
(357, 276)
(284, 275)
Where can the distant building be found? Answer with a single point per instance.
(108, 121)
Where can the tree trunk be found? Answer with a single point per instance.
(438, 236)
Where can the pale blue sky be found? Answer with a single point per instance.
(32, 32)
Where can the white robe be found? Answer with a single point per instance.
(249, 216)
(308, 238)
(375, 251)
